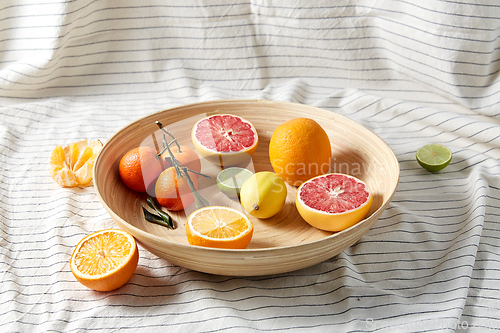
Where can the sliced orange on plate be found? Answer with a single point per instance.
(72, 165)
(105, 260)
(219, 227)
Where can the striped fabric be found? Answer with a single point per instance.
(414, 72)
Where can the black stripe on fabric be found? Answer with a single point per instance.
(55, 216)
(269, 318)
(239, 300)
(57, 78)
(229, 96)
(412, 4)
(426, 284)
(54, 64)
(238, 93)
(249, 13)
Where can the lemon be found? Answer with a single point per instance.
(263, 195)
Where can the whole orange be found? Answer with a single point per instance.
(186, 156)
(173, 191)
(139, 168)
(300, 150)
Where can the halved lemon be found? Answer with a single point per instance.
(72, 165)
(220, 227)
(105, 260)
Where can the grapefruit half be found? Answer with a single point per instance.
(225, 139)
(334, 201)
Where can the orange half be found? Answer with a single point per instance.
(105, 260)
(220, 227)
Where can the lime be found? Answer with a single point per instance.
(433, 157)
(263, 195)
(231, 179)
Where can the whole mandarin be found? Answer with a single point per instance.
(140, 167)
(186, 156)
(172, 191)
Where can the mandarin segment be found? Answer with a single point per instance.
(57, 160)
(84, 174)
(82, 158)
(65, 177)
(71, 155)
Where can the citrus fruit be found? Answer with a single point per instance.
(300, 150)
(105, 260)
(186, 156)
(224, 139)
(263, 195)
(72, 165)
(433, 157)
(333, 202)
(231, 179)
(139, 168)
(220, 227)
(172, 190)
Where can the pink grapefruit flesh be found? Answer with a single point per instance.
(333, 202)
(224, 139)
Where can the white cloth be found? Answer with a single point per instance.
(414, 72)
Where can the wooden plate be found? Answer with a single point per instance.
(280, 244)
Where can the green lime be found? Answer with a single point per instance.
(231, 179)
(433, 157)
